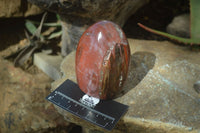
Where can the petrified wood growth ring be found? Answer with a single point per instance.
(102, 60)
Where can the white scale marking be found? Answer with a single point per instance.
(113, 119)
(105, 124)
(68, 106)
(61, 94)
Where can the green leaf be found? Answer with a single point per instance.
(58, 17)
(30, 27)
(52, 24)
(55, 34)
(173, 37)
(195, 19)
(56, 24)
(194, 26)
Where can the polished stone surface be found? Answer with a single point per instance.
(102, 60)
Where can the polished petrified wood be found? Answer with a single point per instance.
(102, 60)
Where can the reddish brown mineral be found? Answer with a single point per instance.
(102, 60)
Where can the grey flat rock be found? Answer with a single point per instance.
(159, 89)
(180, 26)
(49, 64)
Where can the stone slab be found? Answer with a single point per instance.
(18, 8)
(23, 108)
(159, 89)
(49, 64)
(180, 26)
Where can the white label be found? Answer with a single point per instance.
(89, 101)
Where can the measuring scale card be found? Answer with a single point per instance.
(103, 113)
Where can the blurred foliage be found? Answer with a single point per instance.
(194, 26)
(53, 30)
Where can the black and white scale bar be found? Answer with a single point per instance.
(105, 114)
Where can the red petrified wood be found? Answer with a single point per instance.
(102, 60)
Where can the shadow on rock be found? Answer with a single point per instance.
(140, 64)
